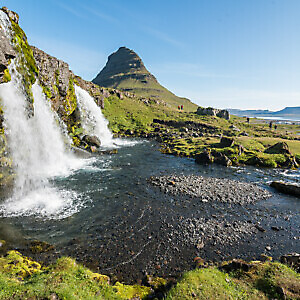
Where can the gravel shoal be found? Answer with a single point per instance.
(210, 189)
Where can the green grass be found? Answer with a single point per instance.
(263, 281)
(21, 278)
(212, 283)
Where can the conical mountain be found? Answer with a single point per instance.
(125, 70)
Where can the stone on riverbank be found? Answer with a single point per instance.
(286, 187)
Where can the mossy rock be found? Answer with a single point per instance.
(17, 265)
(132, 291)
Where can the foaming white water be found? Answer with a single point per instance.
(46, 202)
(92, 118)
(38, 151)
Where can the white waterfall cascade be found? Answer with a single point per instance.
(38, 153)
(93, 121)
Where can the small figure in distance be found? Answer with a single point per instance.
(178, 107)
(271, 124)
(275, 126)
(248, 120)
(181, 107)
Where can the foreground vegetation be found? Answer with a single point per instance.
(22, 278)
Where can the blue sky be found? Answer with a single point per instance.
(233, 53)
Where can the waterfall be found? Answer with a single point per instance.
(92, 118)
(38, 151)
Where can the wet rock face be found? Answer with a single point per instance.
(122, 63)
(209, 111)
(6, 52)
(54, 74)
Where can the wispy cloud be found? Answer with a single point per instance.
(163, 37)
(101, 15)
(140, 19)
(71, 10)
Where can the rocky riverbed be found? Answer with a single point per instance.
(210, 189)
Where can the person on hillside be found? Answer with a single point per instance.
(271, 124)
(248, 120)
(181, 107)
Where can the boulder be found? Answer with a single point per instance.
(255, 161)
(226, 142)
(209, 111)
(287, 188)
(222, 159)
(92, 140)
(204, 158)
(279, 148)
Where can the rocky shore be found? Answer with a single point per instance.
(210, 189)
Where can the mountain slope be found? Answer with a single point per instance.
(125, 70)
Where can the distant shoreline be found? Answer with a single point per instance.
(285, 119)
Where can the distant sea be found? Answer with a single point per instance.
(286, 119)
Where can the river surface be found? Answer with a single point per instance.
(117, 223)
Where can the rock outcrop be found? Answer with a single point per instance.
(279, 148)
(57, 81)
(209, 111)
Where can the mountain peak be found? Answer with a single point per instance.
(124, 63)
(125, 70)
